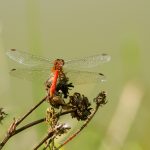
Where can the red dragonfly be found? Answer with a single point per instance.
(35, 67)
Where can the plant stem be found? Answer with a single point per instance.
(30, 111)
(12, 130)
(9, 135)
(49, 136)
(82, 127)
(28, 126)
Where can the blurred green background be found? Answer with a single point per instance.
(75, 29)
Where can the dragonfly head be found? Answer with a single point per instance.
(58, 64)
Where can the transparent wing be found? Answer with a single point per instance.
(76, 77)
(88, 62)
(28, 59)
(84, 77)
(31, 74)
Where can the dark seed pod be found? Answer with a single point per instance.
(82, 105)
(2, 115)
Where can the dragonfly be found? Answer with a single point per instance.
(34, 67)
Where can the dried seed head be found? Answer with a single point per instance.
(82, 105)
(101, 98)
(2, 115)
